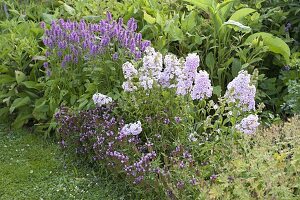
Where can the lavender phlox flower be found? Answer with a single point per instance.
(248, 125)
(132, 128)
(152, 64)
(128, 86)
(146, 82)
(171, 63)
(186, 76)
(202, 88)
(240, 90)
(101, 99)
(129, 70)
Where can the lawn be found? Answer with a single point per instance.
(33, 168)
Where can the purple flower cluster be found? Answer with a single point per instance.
(241, 91)
(99, 135)
(140, 167)
(73, 41)
(169, 72)
(248, 125)
(202, 87)
(187, 75)
(101, 99)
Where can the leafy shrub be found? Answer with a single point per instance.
(20, 71)
(175, 129)
(267, 168)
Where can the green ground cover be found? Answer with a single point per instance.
(32, 168)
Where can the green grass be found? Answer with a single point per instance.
(32, 168)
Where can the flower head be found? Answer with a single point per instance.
(101, 99)
(202, 87)
(132, 128)
(241, 91)
(248, 125)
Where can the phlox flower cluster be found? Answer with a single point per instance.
(168, 72)
(132, 128)
(101, 99)
(248, 125)
(241, 91)
(72, 41)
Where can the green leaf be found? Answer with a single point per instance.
(241, 13)
(19, 102)
(275, 44)
(210, 60)
(237, 26)
(176, 34)
(20, 76)
(92, 18)
(41, 109)
(32, 85)
(21, 119)
(202, 4)
(189, 23)
(217, 90)
(4, 79)
(43, 58)
(48, 18)
(69, 9)
(148, 18)
(236, 67)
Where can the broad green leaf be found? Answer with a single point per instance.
(275, 44)
(69, 9)
(225, 8)
(4, 79)
(48, 18)
(20, 76)
(236, 67)
(40, 110)
(32, 85)
(22, 119)
(176, 34)
(237, 26)
(189, 23)
(240, 14)
(19, 102)
(3, 69)
(202, 4)
(148, 18)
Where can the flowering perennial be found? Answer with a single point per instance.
(101, 99)
(132, 128)
(72, 41)
(202, 87)
(241, 91)
(248, 125)
(168, 72)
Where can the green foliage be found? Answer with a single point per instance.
(266, 169)
(19, 70)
